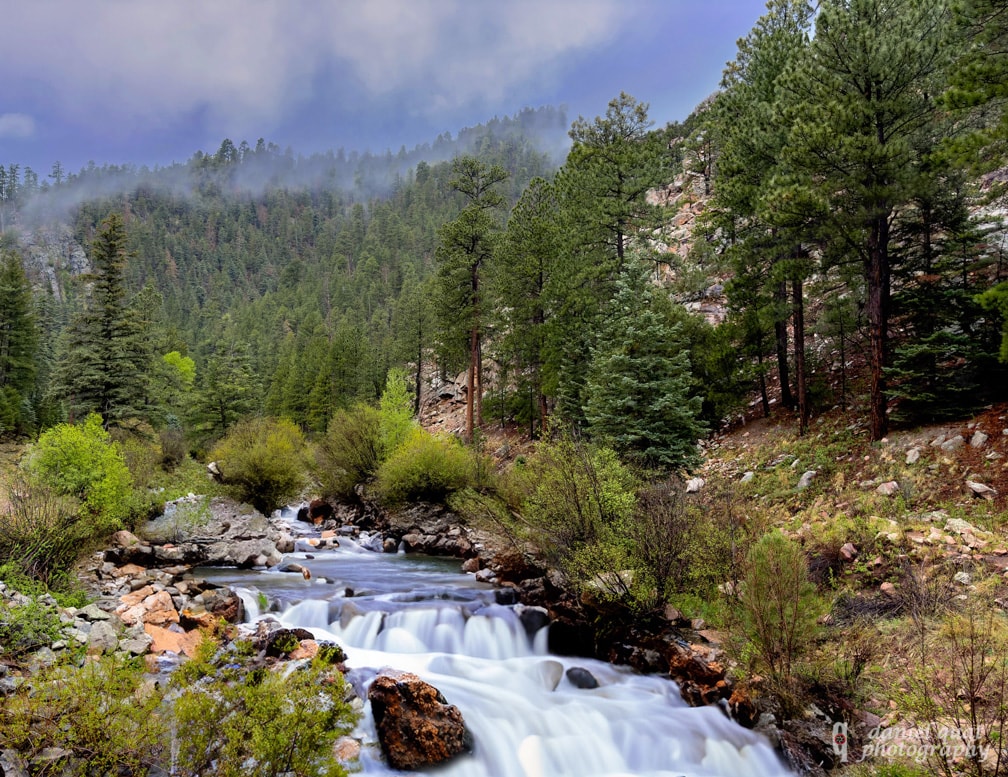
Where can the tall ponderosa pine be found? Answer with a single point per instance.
(467, 244)
(602, 190)
(104, 365)
(18, 343)
(763, 252)
(526, 282)
(639, 381)
(860, 97)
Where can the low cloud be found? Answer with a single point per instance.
(240, 67)
(16, 125)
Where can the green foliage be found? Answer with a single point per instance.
(105, 366)
(395, 411)
(570, 491)
(106, 714)
(639, 384)
(265, 459)
(81, 461)
(351, 451)
(995, 300)
(18, 345)
(265, 723)
(425, 467)
(26, 627)
(779, 604)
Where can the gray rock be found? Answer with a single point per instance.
(889, 488)
(960, 526)
(953, 443)
(102, 638)
(549, 673)
(963, 578)
(979, 439)
(913, 456)
(806, 479)
(580, 677)
(136, 646)
(981, 490)
(747, 477)
(94, 613)
(693, 485)
(12, 765)
(486, 575)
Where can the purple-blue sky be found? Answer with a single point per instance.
(151, 81)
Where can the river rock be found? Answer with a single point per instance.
(416, 726)
(533, 618)
(102, 638)
(173, 640)
(580, 677)
(549, 672)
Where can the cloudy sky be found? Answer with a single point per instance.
(151, 81)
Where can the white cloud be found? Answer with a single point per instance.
(241, 63)
(16, 125)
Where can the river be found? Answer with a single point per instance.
(424, 615)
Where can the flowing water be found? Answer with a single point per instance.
(424, 616)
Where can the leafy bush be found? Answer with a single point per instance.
(265, 459)
(264, 723)
(424, 467)
(105, 714)
(779, 604)
(27, 627)
(351, 451)
(570, 492)
(81, 461)
(43, 533)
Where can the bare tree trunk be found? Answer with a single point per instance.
(877, 278)
(780, 331)
(471, 382)
(798, 302)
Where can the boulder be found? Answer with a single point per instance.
(416, 726)
(806, 479)
(979, 439)
(171, 641)
(888, 488)
(693, 485)
(102, 638)
(580, 677)
(979, 489)
(913, 456)
(953, 443)
(319, 511)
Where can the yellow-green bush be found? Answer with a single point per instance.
(424, 467)
(265, 460)
(82, 461)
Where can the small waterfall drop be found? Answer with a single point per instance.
(422, 615)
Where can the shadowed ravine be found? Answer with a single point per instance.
(422, 615)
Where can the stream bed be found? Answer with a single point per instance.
(423, 615)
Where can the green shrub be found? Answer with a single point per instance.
(572, 490)
(779, 604)
(424, 467)
(351, 451)
(43, 533)
(105, 714)
(27, 627)
(81, 461)
(395, 411)
(264, 723)
(265, 459)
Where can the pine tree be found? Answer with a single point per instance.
(639, 381)
(865, 91)
(18, 344)
(466, 246)
(104, 366)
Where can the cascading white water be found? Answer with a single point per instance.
(526, 717)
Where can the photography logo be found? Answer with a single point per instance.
(840, 741)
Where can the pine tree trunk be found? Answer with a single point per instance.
(877, 281)
(419, 373)
(471, 381)
(798, 302)
(780, 330)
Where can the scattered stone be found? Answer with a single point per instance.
(913, 456)
(887, 589)
(963, 578)
(979, 439)
(961, 526)
(102, 638)
(806, 479)
(746, 477)
(486, 575)
(347, 749)
(693, 485)
(888, 488)
(94, 613)
(937, 441)
(580, 677)
(416, 726)
(979, 489)
(848, 552)
(953, 443)
(471, 565)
